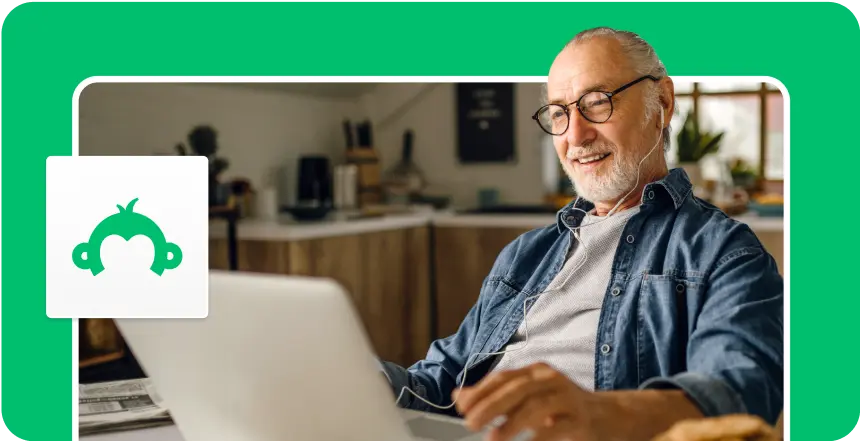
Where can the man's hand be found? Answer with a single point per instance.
(727, 428)
(543, 401)
(537, 398)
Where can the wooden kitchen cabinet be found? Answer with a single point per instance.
(464, 257)
(387, 274)
(253, 255)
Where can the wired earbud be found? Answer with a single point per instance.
(575, 231)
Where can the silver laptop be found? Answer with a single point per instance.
(278, 358)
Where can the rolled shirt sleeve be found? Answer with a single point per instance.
(735, 349)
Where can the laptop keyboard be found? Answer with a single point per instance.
(436, 430)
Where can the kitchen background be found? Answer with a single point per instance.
(411, 240)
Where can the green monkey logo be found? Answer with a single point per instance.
(126, 224)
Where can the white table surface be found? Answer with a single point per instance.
(163, 433)
(171, 432)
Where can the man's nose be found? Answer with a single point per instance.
(579, 130)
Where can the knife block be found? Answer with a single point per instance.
(369, 175)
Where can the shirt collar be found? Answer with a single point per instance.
(676, 185)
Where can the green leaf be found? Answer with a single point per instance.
(693, 143)
(713, 146)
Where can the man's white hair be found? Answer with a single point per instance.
(644, 60)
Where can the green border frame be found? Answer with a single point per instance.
(49, 48)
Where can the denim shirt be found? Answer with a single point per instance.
(694, 303)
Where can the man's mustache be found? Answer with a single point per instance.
(591, 150)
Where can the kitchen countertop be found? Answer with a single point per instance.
(762, 224)
(287, 229)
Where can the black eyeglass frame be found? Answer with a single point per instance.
(609, 96)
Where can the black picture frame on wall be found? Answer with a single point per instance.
(485, 123)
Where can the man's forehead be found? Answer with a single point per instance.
(585, 68)
(568, 86)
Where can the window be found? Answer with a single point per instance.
(682, 86)
(737, 117)
(728, 85)
(749, 112)
(774, 143)
(683, 106)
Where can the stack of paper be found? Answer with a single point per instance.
(120, 405)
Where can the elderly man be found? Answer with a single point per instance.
(641, 307)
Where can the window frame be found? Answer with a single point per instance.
(763, 93)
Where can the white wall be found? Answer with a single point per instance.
(430, 111)
(263, 130)
(259, 131)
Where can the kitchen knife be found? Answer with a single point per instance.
(361, 128)
(407, 146)
(347, 130)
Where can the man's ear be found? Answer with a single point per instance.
(667, 99)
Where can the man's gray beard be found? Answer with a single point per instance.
(620, 180)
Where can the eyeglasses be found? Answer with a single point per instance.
(594, 106)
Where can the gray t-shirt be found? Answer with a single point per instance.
(562, 323)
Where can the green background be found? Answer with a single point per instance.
(48, 49)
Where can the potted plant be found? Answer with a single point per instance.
(204, 142)
(743, 174)
(693, 145)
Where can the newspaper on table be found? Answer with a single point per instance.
(120, 405)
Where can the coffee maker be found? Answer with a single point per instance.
(315, 182)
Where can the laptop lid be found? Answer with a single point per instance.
(278, 358)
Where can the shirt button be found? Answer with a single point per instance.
(616, 291)
(605, 349)
(630, 239)
(651, 195)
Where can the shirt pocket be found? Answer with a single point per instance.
(667, 305)
(500, 313)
